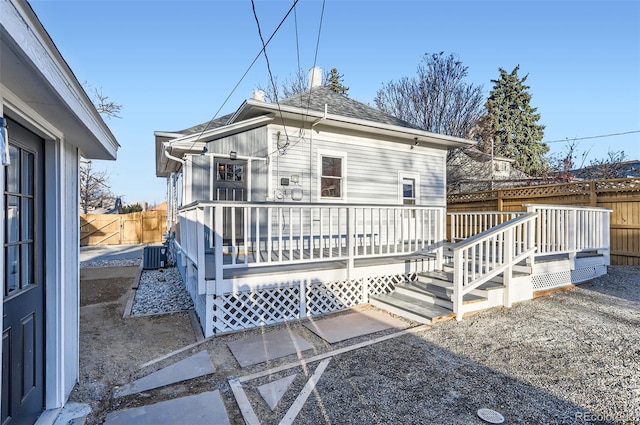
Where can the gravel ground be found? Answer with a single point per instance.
(161, 291)
(572, 357)
(111, 263)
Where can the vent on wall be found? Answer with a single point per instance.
(154, 257)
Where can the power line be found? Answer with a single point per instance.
(592, 137)
(315, 57)
(264, 46)
(273, 84)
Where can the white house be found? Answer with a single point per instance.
(287, 210)
(48, 123)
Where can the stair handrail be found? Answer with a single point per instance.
(490, 253)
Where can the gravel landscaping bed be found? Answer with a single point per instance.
(161, 291)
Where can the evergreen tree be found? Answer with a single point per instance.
(334, 82)
(512, 124)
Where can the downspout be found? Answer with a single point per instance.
(324, 117)
(175, 158)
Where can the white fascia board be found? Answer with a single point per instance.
(22, 25)
(194, 143)
(223, 131)
(357, 124)
(167, 134)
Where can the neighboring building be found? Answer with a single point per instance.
(616, 170)
(470, 170)
(50, 122)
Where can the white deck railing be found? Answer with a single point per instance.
(569, 230)
(485, 255)
(243, 235)
(544, 230)
(463, 225)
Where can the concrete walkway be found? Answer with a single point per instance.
(111, 252)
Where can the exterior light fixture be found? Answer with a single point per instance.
(233, 155)
(4, 142)
(204, 150)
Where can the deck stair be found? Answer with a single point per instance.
(428, 299)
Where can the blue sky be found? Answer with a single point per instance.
(172, 64)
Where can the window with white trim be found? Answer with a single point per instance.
(332, 177)
(408, 191)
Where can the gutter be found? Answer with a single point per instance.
(167, 145)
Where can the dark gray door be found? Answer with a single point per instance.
(23, 318)
(231, 185)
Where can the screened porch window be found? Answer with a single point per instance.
(331, 180)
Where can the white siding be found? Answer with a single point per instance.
(372, 167)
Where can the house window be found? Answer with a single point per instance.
(230, 172)
(331, 179)
(408, 191)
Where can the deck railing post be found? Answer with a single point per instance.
(458, 277)
(218, 227)
(199, 248)
(441, 235)
(351, 240)
(509, 244)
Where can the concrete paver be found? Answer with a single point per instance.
(272, 392)
(203, 408)
(346, 326)
(192, 367)
(271, 345)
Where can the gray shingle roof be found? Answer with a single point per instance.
(314, 100)
(218, 122)
(338, 104)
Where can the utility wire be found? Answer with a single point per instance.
(264, 46)
(592, 137)
(315, 57)
(273, 84)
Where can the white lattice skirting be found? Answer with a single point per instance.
(569, 277)
(249, 309)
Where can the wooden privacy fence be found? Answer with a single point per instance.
(116, 229)
(622, 196)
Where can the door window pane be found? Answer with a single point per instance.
(27, 173)
(12, 264)
(27, 219)
(13, 170)
(13, 218)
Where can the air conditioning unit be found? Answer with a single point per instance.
(154, 257)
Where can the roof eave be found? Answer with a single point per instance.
(409, 134)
